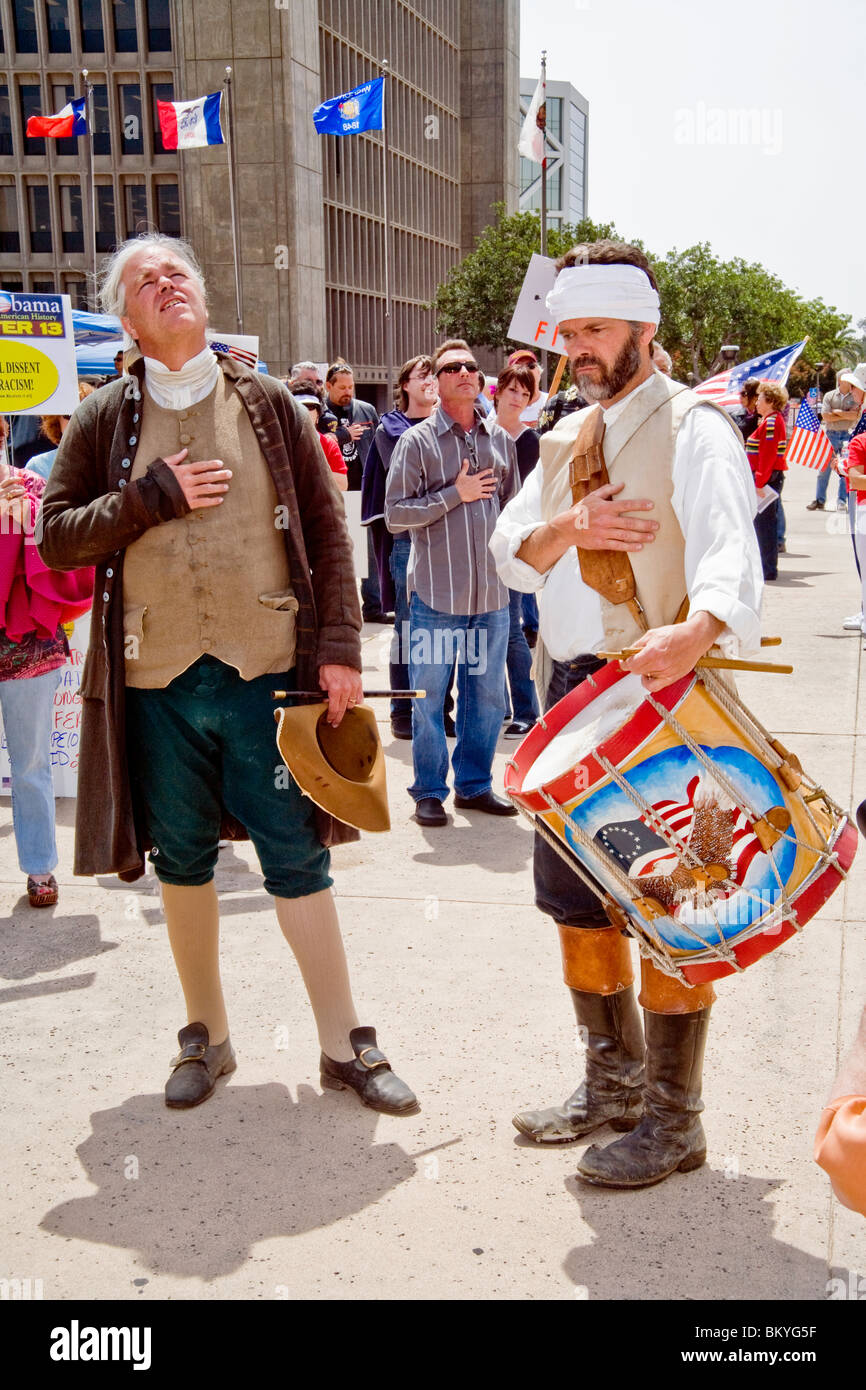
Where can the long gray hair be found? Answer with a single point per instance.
(112, 293)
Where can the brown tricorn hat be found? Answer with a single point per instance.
(342, 769)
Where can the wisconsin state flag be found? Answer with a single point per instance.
(70, 121)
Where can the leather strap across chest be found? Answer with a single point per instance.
(608, 572)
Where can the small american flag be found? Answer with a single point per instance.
(809, 444)
(249, 359)
(724, 389)
(678, 818)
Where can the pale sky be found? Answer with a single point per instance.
(674, 158)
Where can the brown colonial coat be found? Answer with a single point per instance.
(90, 514)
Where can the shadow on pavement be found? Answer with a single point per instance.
(696, 1236)
(247, 1165)
(53, 943)
(36, 991)
(501, 849)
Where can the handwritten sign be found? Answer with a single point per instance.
(66, 724)
(531, 322)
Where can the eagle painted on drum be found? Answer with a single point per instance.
(719, 835)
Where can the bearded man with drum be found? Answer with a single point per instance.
(679, 503)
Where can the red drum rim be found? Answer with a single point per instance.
(809, 900)
(616, 748)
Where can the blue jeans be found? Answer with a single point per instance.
(530, 611)
(837, 438)
(371, 599)
(27, 705)
(480, 642)
(524, 701)
(399, 563)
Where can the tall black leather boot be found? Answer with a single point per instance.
(611, 1093)
(670, 1136)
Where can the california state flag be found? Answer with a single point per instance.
(531, 142)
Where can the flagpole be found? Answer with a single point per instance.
(88, 106)
(227, 83)
(544, 181)
(386, 207)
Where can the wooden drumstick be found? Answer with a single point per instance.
(720, 663)
(368, 695)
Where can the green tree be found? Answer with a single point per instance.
(477, 300)
(705, 302)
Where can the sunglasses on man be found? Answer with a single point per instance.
(452, 368)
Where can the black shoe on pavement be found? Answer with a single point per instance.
(430, 811)
(377, 616)
(487, 801)
(369, 1076)
(450, 727)
(519, 728)
(401, 726)
(196, 1067)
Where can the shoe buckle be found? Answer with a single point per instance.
(371, 1066)
(193, 1052)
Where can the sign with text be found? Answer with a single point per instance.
(38, 374)
(531, 322)
(66, 719)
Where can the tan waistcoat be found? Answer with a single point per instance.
(215, 581)
(639, 451)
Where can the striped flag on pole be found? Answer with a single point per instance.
(190, 125)
(809, 444)
(724, 388)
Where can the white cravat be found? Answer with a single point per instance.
(179, 390)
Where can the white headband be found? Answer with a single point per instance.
(603, 292)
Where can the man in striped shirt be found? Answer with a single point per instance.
(449, 477)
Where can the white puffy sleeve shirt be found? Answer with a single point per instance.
(714, 502)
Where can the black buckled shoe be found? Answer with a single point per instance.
(488, 802)
(369, 1076)
(196, 1067)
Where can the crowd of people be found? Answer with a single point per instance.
(477, 555)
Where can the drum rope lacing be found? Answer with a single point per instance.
(654, 949)
(734, 706)
(721, 951)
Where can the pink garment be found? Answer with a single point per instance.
(33, 597)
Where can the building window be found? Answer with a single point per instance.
(42, 286)
(2, 38)
(24, 20)
(168, 208)
(158, 26)
(61, 96)
(106, 229)
(39, 214)
(30, 98)
(10, 239)
(90, 14)
(131, 140)
(75, 286)
(13, 283)
(159, 91)
(71, 217)
(135, 209)
(5, 121)
(125, 37)
(57, 20)
(554, 117)
(101, 121)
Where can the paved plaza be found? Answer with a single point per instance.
(273, 1189)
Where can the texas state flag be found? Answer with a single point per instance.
(187, 125)
(70, 121)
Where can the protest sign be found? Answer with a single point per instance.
(66, 719)
(38, 374)
(531, 322)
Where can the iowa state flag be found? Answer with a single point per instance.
(188, 125)
(70, 121)
(349, 114)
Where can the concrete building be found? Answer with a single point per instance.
(567, 145)
(310, 207)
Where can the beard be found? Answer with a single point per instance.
(611, 379)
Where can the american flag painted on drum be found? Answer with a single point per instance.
(678, 818)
